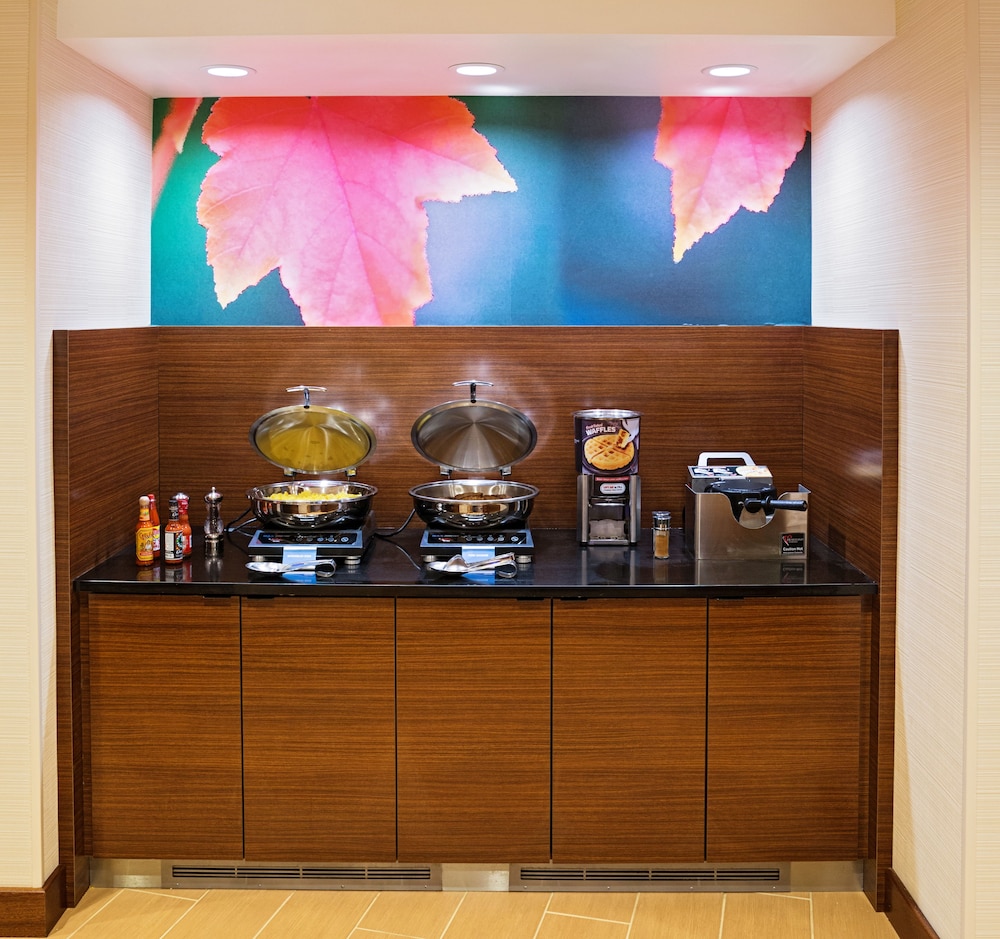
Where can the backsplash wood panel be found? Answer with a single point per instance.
(733, 388)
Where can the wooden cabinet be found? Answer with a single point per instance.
(476, 730)
(319, 729)
(785, 707)
(628, 731)
(165, 778)
(473, 713)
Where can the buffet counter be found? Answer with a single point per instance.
(561, 567)
(598, 706)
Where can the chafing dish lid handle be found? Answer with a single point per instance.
(305, 389)
(472, 383)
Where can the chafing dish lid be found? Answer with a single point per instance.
(473, 436)
(308, 438)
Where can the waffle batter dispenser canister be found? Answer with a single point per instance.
(608, 485)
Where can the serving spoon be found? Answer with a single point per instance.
(321, 568)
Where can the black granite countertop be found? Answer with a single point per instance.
(561, 567)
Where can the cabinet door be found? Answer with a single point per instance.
(628, 731)
(473, 693)
(785, 689)
(165, 763)
(319, 729)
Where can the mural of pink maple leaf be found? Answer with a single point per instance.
(331, 192)
(724, 153)
(175, 127)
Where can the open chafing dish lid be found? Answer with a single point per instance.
(309, 438)
(473, 436)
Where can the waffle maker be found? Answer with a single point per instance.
(734, 511)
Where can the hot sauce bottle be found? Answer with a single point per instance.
(173, 536)
(144, 535)
(182, 507)
(154, 517)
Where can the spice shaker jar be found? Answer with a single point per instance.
(214, 528)
(661, 534)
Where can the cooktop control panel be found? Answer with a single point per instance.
(346, 537)
(519, 538)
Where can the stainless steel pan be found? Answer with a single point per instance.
(473, 503)
(312, 503)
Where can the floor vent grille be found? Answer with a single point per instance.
(636, 878)
(242, 874)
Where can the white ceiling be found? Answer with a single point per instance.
(533, 64)
(547, 47)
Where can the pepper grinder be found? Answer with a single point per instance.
(214, 529)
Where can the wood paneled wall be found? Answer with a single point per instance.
(104, 450)
(169, 409)
(730, 388)
(850, 447)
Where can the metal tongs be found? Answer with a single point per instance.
(503, 565)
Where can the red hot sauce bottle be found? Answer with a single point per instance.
(154, 517)
(182, 506)
(144, 535)
(173, 536)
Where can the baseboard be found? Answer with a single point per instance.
(26, 911)
(903, 913)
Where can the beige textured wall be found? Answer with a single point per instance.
(983, 821)
(92, 203)
(901, 240)
(81, 186)
(20, 738)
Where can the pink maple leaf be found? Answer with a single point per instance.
(331, 191)
(173, 132)
(724, 153)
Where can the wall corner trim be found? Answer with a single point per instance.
(33, 911)
(903, 913)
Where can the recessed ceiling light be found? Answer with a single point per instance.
(229, 71)
(729, 71)
(477, 69)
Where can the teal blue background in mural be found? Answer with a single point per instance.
(587, 239)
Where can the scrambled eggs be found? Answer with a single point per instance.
(342, 494)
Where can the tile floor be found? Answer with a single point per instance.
(113, 913)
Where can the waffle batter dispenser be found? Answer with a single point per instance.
(608, 484)
(734, 511)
